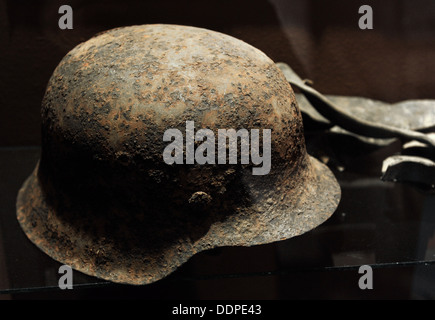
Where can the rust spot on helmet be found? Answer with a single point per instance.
(102, 199)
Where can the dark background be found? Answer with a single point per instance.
(319, 39)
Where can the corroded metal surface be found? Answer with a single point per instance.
(363, 126)
(416, 115)
(414, 165)
(101, 198)
(376, 123)
(410, 114)
(410, 169)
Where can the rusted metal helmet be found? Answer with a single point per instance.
(103, 200)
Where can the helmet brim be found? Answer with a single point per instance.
(289, 212)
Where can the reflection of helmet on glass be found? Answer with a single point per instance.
(103, 200)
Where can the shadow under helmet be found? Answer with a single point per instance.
(102, 199)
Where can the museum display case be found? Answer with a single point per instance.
(364, 87)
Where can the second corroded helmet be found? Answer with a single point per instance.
(102, 198)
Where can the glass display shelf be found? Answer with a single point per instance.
(382, 224)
